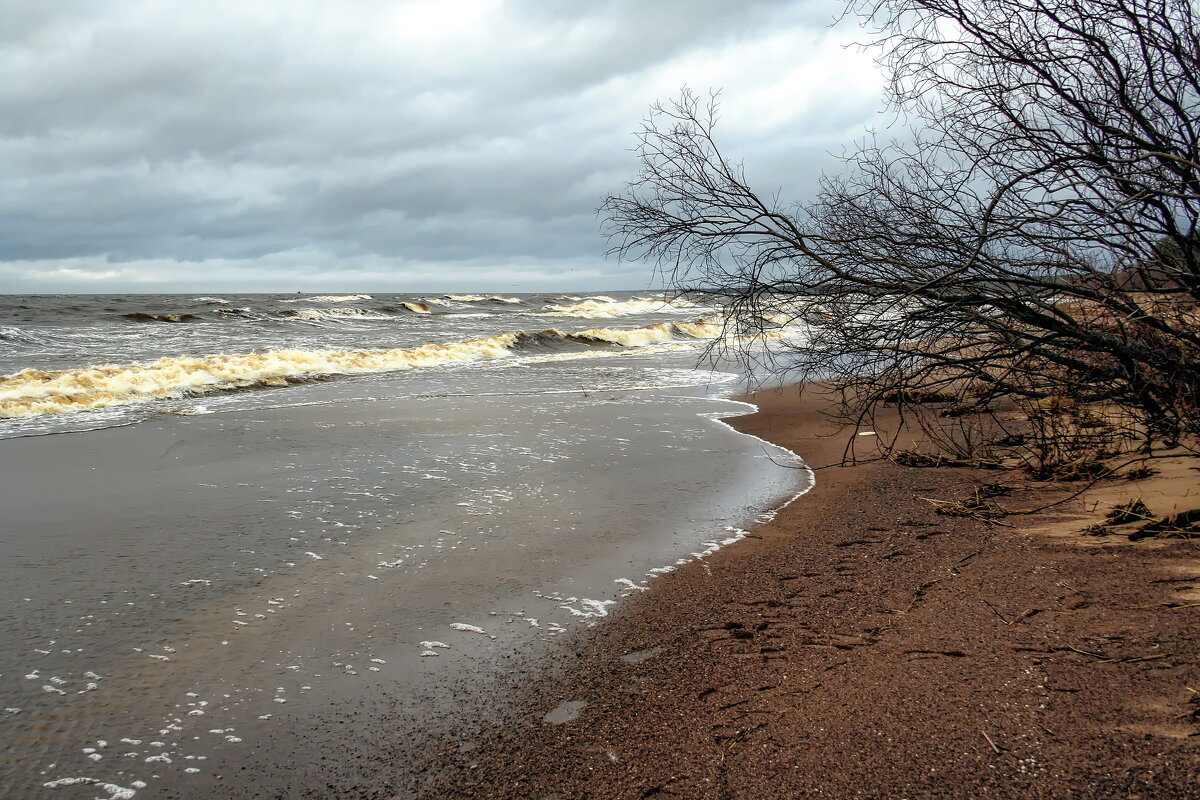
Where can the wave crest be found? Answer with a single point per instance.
(317, 314)
(34, 392)
(329, 298)
(479, 298)
(142, 316)
(602, 306)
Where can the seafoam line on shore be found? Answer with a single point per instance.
(766, 516)
(736, 534)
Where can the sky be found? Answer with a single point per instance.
(424, 145)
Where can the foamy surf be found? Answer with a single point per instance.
(479, 298)
(602, 306)
(353, 312)
(34, 392)
(329, 298)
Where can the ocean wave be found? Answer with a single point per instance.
(316, 314)
(328, 298)
(655, 334)
(213, 300)
(34, 392)
(143, 316)
(602, 306)
(661, 333)
(9, 334)
(479, 298)
(244, 312)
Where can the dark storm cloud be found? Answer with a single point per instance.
(377, 142)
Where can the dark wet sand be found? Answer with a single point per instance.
(862, 646)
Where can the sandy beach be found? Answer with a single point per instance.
(861, 645)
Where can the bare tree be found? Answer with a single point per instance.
(1034, 237)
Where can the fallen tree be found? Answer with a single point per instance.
(1031, 241)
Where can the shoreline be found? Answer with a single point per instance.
(859, 645)
(252, 636)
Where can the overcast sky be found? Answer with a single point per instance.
(381, 146)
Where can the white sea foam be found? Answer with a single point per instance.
(462, 626)
(653, 334)
(10, 334)
(590, 608)
(315, 314)
(602, 306)
(328, 298)
(114, 791)
(33, 392)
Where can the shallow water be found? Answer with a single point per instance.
(221, 585)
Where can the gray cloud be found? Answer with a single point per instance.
(367, 145)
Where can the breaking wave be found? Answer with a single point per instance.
(655, 334)
(34, 392)
(244, 313)
(316, 314)
(479, 298)
(329, 298)
(142, 316)
(602, 306)
(17, 335)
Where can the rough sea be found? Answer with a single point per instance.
(271, 544)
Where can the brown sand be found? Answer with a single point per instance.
(860, 645)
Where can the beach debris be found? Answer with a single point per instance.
(1140, 473)
(1185, 525)
(978, 505)
(917, 458)
(1082, 469)
(1130, 511)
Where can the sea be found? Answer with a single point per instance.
(278, 545)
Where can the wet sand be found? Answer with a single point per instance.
(860, 645)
